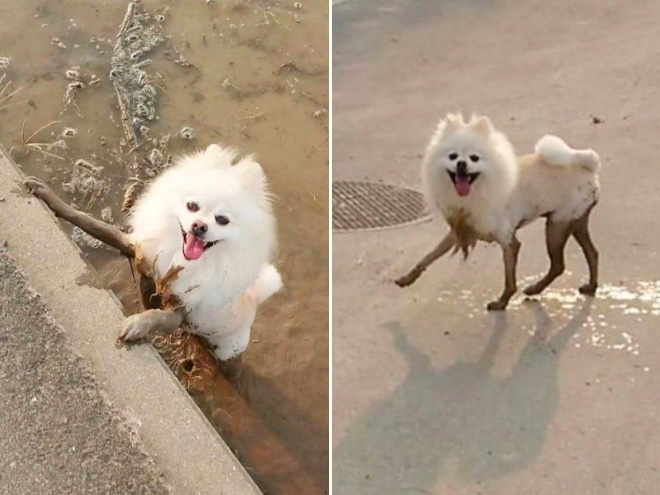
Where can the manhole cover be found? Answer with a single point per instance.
(368, 205)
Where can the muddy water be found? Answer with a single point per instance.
(252, 74)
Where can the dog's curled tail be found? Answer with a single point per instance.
(268, 283)
(554, 151)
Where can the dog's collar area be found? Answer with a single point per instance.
(470, 177)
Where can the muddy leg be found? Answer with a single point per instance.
(149, 296)
(556, 236)
(445, 245)
(510, 254)
(100, 230)
(138, 326)
(581, 234)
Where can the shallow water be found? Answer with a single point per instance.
(251, 74)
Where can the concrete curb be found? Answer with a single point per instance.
(170, 426)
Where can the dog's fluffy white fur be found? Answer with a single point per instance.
(222, 289)
(508, 191)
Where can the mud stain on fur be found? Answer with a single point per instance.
(466, 236)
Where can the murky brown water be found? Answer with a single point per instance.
(258, 80)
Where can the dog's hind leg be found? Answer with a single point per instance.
(510, 254)
(581, 234)
(445, 245)
(556, 236)
(102, 231)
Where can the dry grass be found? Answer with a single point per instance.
(27, 144)
(6, 94)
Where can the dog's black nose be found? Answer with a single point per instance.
(461, 167)
(199, 227)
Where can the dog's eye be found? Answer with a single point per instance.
(474, 158)
(222, 220)
(453, 156)
(192, 206)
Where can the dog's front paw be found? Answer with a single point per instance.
(498, 305)
(135, 327)
(37, 187)
(42, 191)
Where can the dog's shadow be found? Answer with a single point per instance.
(461, 417)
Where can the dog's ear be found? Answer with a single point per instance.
(482, 124)
(220, 157)
(253, 177)
(454, 121)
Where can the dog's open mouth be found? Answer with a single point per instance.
(463, 182)
(193, 246)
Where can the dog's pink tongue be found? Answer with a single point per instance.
(462, 185)
(194, 247)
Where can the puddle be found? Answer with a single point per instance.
(617, 310)
(249, 74)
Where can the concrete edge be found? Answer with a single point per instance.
(137, 382)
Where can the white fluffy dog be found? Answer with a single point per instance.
(473, 178)
(204, 231)
(213, 218)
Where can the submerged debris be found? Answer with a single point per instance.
(70, 95)
(87, 182)
(164, 140)
(83, 239)
(180, 59)
(155, 157)
(58, 43)
(61, 144)
(186, 133)
(73, 73)
(69, 132)
(5, 62)
(79, 81)
(106, 214)
(139, 34)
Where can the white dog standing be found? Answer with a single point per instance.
(206, 229)
(473, 178)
